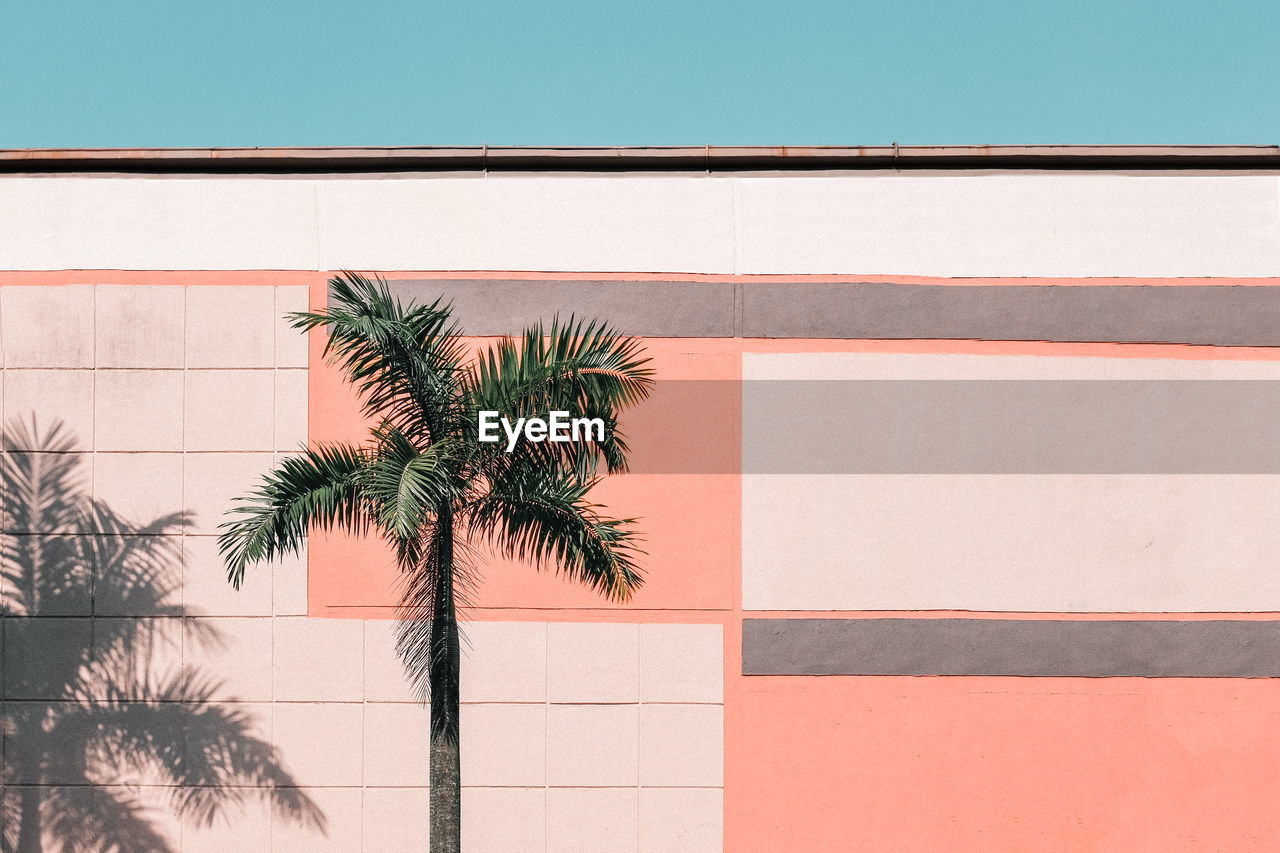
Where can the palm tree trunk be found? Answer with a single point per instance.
(446, 768)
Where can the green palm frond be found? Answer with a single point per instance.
(584, 368)
(404, 360)
(545, 517)
(565, 366)
(406, 485)
(319, 488)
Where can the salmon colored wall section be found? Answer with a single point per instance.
(889, 764)
(690, 521)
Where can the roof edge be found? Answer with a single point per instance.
(636, 158)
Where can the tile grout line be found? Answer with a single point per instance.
(93, 464)
(182, 545)
(364, 725)
(639, 723)
(546, 736)
(93, 469)
(275, 415)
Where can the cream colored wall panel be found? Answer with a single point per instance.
(291, 343)
(681, 745)
(1016, 542)
(384, 675)
(247, 827)
(212, 482)
(343, 810)
(231, 326)
(681, 663)
(156, 223)
(155, 640)
(504, 662)
(502, 820)
(301, 674)
(47, 326)
(206, 590)
(1047, 543)
(675, 224)
(504, 745)
(1010, 225)
(45, 397)
(321, 743)
(229, 410)
(153, 800)
(233, 650)
(681, 820)
(289, 585)
(593, 662)
(592, 820)
(139, 325)
(290, 410)
(137, 410)
(397, 744)
(161, 595)
(140, 487)
(396, 820)
(592, 745)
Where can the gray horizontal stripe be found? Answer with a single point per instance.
(1011, 427)
(1012, 647)
(1210, 315)
(672, 309)
(1218, 315)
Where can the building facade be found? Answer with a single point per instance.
(957, 489)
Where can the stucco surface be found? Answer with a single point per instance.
(1072, 224)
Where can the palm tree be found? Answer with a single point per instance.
(105, 711)
(426, 484)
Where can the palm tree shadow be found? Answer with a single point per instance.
(91, 705)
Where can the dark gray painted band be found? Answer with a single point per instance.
(1217, 315)
(1193, 314)
(671, 309)
(1012, 647)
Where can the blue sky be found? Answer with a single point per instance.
(571, 72)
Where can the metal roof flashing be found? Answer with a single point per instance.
(703, 158)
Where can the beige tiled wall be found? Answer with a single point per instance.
(576, 736)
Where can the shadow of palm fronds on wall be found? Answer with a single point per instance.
(95, 694)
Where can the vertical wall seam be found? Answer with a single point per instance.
(315, 202)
